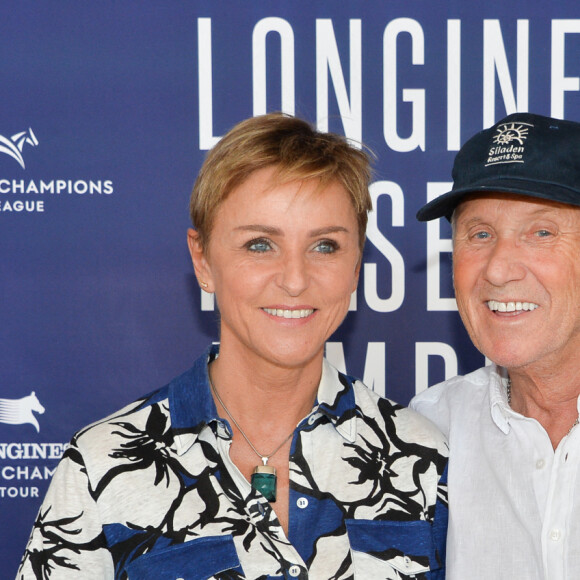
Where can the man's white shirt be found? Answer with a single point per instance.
(514, 502)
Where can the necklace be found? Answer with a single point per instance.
(263, 476)
(509, 400)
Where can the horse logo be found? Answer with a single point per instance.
(13, 146)
(20, 411)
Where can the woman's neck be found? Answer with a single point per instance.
(258, 392)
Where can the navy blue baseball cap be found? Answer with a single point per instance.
(522, 154)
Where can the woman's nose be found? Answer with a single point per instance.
(293, 276)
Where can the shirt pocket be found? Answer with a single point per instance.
(392, 550)
(199, 559)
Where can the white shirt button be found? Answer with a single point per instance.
(555, 535)
(312, 418)
(407, 561)
(294, 571)
(302, 502)
(540, 464)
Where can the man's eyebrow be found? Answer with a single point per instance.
(477, 219)
(470, 221)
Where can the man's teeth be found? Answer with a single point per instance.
(510, 306)
(289, 313)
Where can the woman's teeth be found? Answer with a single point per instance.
(299, 313)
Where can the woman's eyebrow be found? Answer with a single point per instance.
(328, 230)
(260, 228)
(271, 230)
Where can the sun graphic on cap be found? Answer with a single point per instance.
(509, 132)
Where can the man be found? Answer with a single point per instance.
(514, 482)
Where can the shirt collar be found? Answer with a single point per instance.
(190, 401)
(501, 412)
(336, 400)
(192, 407)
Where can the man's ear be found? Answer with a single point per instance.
(200, 263)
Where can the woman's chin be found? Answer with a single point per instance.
(292, 357)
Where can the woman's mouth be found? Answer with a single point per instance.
(289, 313)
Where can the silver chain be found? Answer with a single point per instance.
(261, 455)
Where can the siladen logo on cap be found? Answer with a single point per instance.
(508, 144)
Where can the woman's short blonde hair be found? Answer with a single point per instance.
(298, 151)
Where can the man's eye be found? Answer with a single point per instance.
(543, 233)
(481, 235)
(326, 247)
(259, 245)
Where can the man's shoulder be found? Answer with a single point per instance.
(459, 386)
(443, 402)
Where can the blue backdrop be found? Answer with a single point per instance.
(107, 112)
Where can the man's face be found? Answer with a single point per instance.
(516, 265)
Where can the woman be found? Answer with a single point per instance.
(262, 461)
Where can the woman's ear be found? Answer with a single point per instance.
(357, 273)
(200, 263)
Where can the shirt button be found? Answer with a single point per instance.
(407, 561)
(312, 419)
(540, 464)
(302, 503)
(294, 571)
(555, 535)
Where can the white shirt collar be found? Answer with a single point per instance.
(501, 412)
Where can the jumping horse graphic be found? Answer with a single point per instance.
(20, 411)
(15, 144)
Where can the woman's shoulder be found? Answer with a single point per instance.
(154, 409)
(399, 422)
(138, 420)
(129, 411)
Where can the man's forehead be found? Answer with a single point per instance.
(490, 202)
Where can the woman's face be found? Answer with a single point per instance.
(283, 261)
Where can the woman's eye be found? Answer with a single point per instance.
(326, 247)
(259, 245)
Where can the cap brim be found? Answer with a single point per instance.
(444, 205)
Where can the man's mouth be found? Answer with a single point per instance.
(496, 306)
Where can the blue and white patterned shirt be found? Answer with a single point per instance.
(150, 493)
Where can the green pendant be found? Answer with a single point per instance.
(264, 481)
